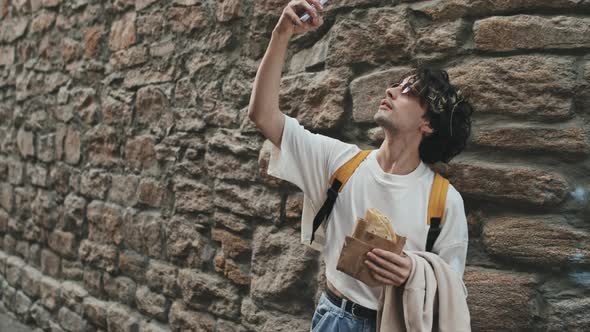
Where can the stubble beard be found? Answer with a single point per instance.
(384, 122)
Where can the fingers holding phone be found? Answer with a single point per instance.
(300, 16)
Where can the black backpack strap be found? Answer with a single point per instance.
(433, 233)
(327, 207)
(337, 181)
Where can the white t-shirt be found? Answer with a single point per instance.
(308, 160)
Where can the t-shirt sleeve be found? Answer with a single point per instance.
(451, 244)
(305, 159)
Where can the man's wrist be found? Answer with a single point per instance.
(281, 35)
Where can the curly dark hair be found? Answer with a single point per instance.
(448, 112)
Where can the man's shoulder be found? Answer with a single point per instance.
(344, 153)
(454, 197)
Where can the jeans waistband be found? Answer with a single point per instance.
(351, 307)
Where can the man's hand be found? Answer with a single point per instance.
(389, 268)
(289, 22)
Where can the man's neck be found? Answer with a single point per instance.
(396, 156)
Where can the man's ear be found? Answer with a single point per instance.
(425, 128)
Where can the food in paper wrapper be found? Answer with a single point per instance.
(375, 231)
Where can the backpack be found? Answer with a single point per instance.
(436, 204)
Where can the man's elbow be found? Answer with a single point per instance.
(252, 114)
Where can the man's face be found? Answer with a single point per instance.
(400, 111)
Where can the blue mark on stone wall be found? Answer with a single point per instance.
(579, 195)
(580, 277)
(577, 258)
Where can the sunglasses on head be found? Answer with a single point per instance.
(407, 88)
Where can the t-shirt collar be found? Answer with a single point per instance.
(394, 178)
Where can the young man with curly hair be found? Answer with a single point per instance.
(424, 119)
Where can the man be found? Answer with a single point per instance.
(424, 120)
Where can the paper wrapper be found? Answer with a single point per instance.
(355, 249)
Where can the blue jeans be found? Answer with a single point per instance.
(331, 318)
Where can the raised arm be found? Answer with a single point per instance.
(264, 101)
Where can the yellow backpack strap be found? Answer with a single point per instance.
(345, 171)
(337, 182)
(436, 209)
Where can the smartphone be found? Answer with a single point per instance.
(306, 17)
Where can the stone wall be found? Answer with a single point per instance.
(133, 187)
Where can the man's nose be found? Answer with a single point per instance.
(391, 93)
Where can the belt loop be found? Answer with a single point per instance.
(343, 307)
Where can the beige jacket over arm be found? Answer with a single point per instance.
(433, 289)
